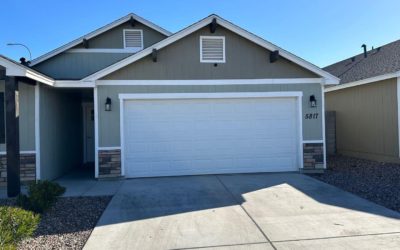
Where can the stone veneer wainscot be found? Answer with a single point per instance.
(27, 168)
(313, 155)
(109, 163)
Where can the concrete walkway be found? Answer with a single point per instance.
(254, 211)
(80, 183)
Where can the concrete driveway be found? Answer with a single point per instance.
(252, 211)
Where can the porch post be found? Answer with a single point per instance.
(12, 136)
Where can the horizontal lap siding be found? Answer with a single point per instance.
(78, 65)
(109, 127)
(366, 120)
(26, 118)
(60, 131)
(181, 60)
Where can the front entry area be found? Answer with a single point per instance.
(171, 137)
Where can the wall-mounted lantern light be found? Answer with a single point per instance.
(313, 101)
(108, 104)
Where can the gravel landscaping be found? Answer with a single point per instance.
(67, 225)
(375, 181)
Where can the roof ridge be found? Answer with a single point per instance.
(362, 53)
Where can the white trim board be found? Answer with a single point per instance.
(398, 111)
(210, 95)
(96, 134)
(121, 134)
(210, 82)
(89, 50)
(294, 94)
(362, 82)
(313, 141)
(98, 32)
(109, 148)
(300, 154)
(16, 69)
(328, 78)
(73, 84)
(21, 152)
(323, 126)
(37, 130)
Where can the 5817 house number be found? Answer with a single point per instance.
(311, 116)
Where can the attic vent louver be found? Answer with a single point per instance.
(212, 49)
(133, 39)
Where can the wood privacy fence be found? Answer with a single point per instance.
(330, 132)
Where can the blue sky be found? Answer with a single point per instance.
(320, 31)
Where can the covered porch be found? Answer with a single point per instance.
(46, 129)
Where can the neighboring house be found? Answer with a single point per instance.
(140, 101)
(366, 104)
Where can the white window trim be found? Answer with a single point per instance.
(223, 49)
(133, 48)
(292, 94)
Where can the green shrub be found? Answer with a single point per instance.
(41, 196)
(16, 224)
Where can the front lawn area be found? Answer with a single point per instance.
(375, 181)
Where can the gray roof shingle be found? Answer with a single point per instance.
(380, 61)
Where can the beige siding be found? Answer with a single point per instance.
(109, 127)
(27, 117)
(366, 120)
(181, 60)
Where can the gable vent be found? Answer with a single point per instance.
(133, 39)
(212, 49)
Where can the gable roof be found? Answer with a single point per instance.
(98, 32)
(14, 68)
(329, 79)
(383, 60)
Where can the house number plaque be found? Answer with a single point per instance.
(310, 116)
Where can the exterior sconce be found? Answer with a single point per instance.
(108, 104)
(313, 101)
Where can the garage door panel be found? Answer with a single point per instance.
(205, 136)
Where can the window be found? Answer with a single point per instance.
(212, 49)
(133, 39)
(2, 119)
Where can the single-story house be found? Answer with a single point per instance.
(139, 101)
(367, 104)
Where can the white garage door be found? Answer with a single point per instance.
(207, 136)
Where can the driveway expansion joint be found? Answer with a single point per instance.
(251, 218)
(225, 245)
(336, 237)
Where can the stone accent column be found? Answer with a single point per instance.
(27, 168)
(109, 163)
(313, 157)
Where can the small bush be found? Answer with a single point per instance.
(41, 196)
(16, 224)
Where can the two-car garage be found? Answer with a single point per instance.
(186, 134)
